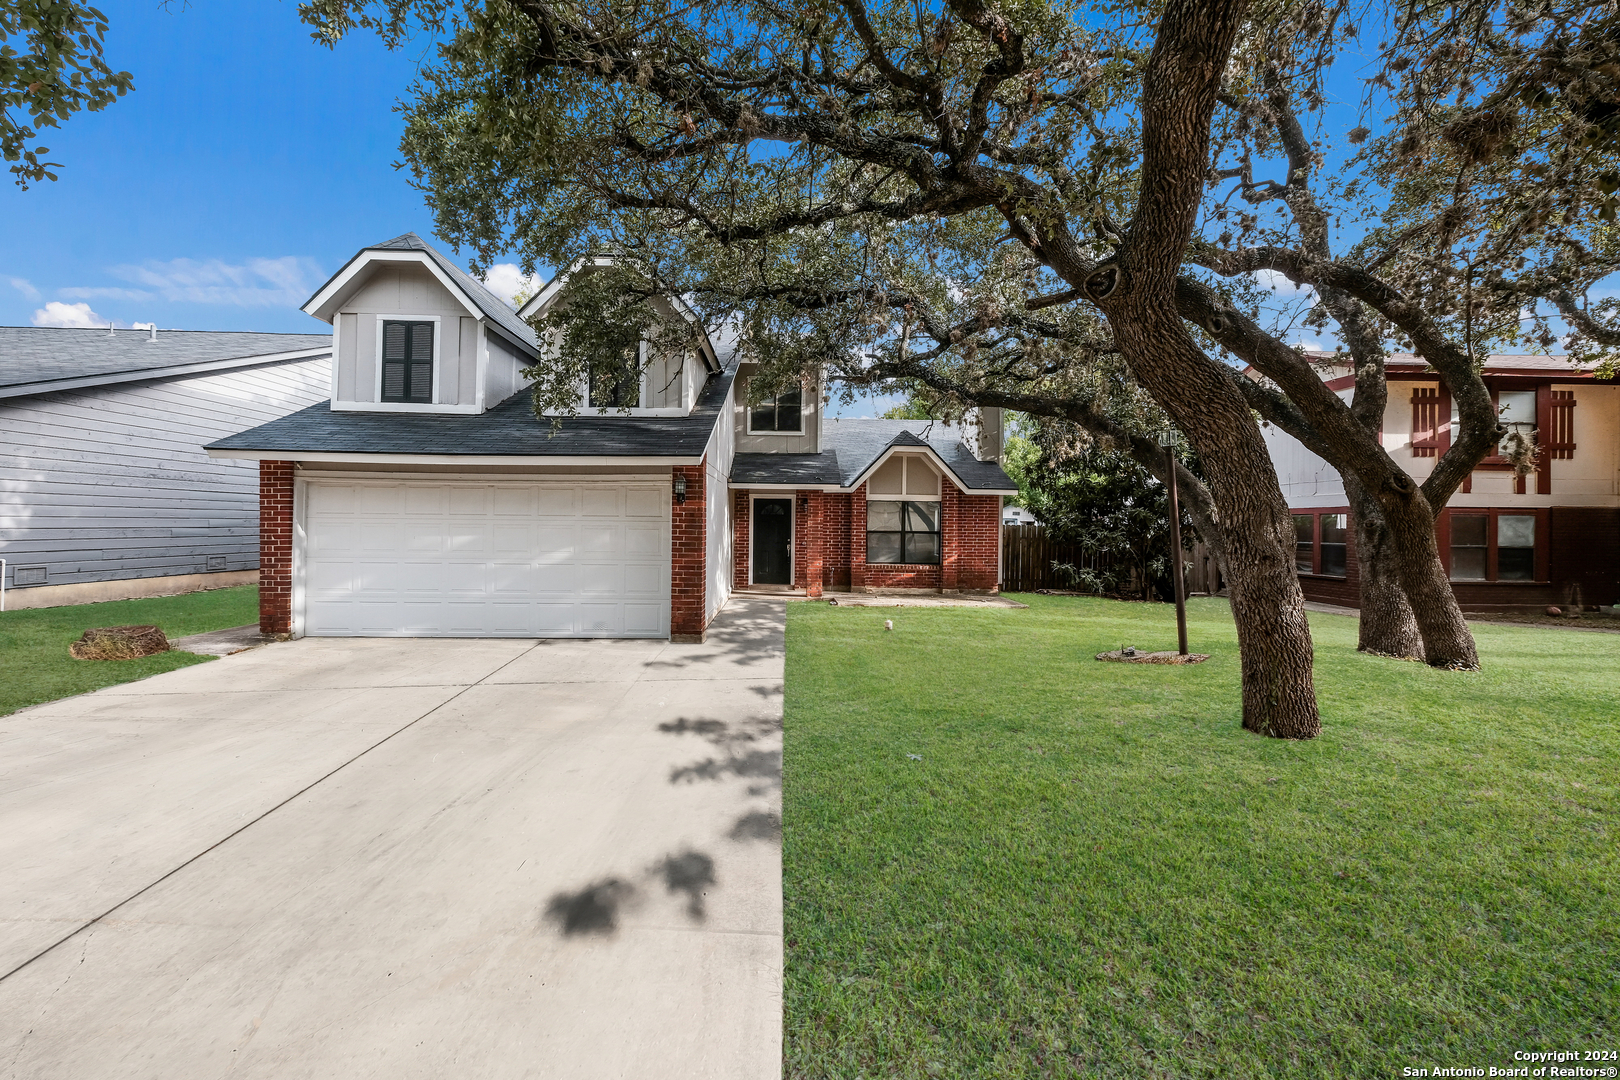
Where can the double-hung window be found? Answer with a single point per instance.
(902, 532)
(1492, 546)
(784, 412)
(902, 512)
(1321, 545)
(407, 362)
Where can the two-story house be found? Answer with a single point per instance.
(1508, 541)
(426, 499)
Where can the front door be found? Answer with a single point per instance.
(773, 541)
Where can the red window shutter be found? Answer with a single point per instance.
(1561, 439)
(1426, 421)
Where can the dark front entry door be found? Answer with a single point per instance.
(773, 541)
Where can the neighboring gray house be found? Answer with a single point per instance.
(105, 490)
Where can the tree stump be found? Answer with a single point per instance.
(119, 643)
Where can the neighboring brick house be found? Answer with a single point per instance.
(1507, 541)
(426, 498)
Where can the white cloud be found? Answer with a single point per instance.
(57, 313)
(283, 282)
(108, 294)
(509, 282)
(1279, 284)
(24, 286)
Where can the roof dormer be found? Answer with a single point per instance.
(412, 332)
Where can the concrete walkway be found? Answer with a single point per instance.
(403, 858)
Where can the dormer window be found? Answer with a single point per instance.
(615, 384)
(407, 362)
(782, 413)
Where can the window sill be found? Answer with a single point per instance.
(902, 565)
(1322, 577)
(1499, 581)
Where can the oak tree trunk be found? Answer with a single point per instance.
(1447, 641)
(1387, 625)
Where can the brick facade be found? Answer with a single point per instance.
(829, 544)
(275, 546)
(688, 536)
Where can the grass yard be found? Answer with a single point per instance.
(1093, 871)
(34, 661)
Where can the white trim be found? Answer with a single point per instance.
(449, 459)
(337, 333)
(944, 469)
(438, 368)
(784, 487)
(51, 385)
(481, 364)
(405, 407)
(329, 294)
(793, 537)
(300, 555)
(347, 475)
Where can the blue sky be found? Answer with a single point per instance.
(246, 166)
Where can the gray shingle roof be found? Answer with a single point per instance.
(809, 470)
(510, 429)
(493, 307)
(32, 357)
(858, 443)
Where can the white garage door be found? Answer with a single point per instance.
(466, 559)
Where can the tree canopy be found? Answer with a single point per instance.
(51, 67)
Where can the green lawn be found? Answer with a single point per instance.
(34, 661)
(1093, 871)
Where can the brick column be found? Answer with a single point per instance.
(950, 539)
(275, 546)
(688, 552)
(857, 539)
(742, 537)
(815, 535)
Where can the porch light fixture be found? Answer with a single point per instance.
(680, 488)
(804, 503)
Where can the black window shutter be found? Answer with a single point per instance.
(407, 373)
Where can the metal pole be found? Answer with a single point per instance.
(1175, 554)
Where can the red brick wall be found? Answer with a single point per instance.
(275, 546)
(830, 529)
(743, 536)
(687, 557)
(977, 538)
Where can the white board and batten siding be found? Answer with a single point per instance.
(110, 483)
(471, 558)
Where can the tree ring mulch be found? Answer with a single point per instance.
(1119, 657)
(119, 643)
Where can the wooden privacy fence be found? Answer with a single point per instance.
(1027, 555)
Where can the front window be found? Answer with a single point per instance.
(1515, 547)
(1305, 543)
(1469, 536)
(784, 412)
(902, 532)
(1335, 548)
(407, 362)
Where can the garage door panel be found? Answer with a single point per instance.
(645, 541)
(467, 499)
(600, 579)
(645, 581)
(644, 618)
(601, 501)
(374, 498)
(644, 502)
(487, 559)
(420, 499)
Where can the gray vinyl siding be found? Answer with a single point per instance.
(110, 483)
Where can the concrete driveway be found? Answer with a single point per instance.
(403, 858)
